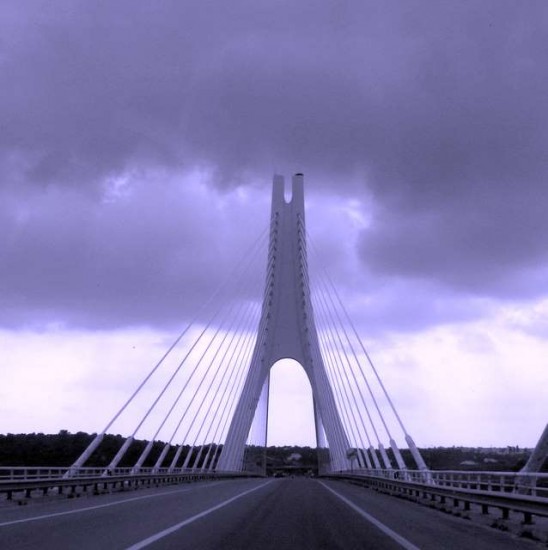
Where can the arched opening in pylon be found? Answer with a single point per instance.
(284, 417)
(291, 409)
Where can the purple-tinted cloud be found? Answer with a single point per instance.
(145, 258)
(436, 114)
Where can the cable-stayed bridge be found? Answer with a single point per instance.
(207, 399)
(212, 384)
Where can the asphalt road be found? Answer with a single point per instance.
(244, 514)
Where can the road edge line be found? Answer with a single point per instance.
(99, 506)
(384, 528)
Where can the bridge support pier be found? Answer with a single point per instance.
(286, 330)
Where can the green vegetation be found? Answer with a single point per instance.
(62, 449)
(505, 459)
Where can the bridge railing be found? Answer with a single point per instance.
(23, 483)
(28, 473)
(535, 484)
(504, 491)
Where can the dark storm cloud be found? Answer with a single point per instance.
(145, 258)
(411, 95)
(437, 111)
(491, 245)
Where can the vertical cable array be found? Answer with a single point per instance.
(186, 388)
(363, 400)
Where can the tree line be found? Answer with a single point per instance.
(63, 448)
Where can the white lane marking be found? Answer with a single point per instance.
(385, 529)
(173, 528)
(89, 508)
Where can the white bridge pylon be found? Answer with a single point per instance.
(218, 371)
(286, 330)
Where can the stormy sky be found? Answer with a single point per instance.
(137, 146)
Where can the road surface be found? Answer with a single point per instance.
(244, 514)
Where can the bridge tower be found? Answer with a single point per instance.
(286, 330)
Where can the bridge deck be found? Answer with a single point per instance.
(247, 513)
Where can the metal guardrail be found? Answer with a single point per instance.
(27, 480)
(505, 491)
(24, 473)
(535, 484)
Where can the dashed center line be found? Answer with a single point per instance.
(161, 534)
